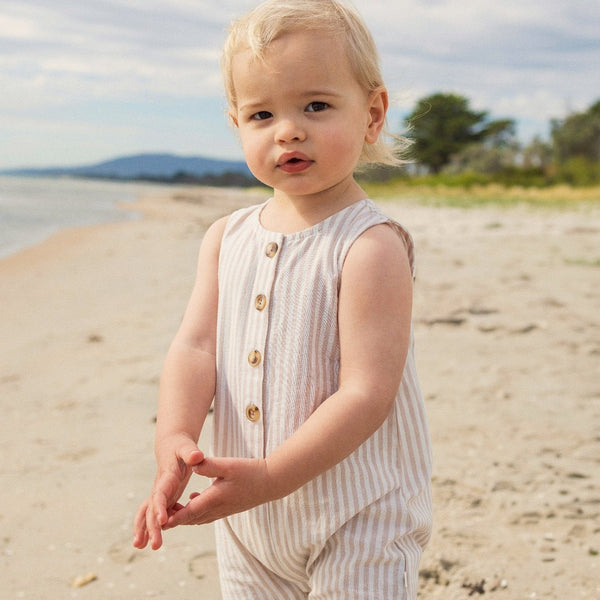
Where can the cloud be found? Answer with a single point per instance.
(115, 60)
(527, 60)
(60, 51)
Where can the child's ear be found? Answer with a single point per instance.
(378, 105)
(233, 117)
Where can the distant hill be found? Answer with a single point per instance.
(168, 167)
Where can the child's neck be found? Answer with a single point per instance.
(290, 214)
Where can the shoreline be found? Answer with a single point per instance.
(146, 204)
(508, 339)
(37, 208)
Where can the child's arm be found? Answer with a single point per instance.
(375, 309)
(187, 388)
(374, 322)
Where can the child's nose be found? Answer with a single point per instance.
(289, 130)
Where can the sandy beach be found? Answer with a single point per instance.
(507, 324)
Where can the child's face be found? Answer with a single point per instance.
(302, 116)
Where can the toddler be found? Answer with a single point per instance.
(299, 329)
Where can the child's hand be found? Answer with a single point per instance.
(240, 484)
(176, 458)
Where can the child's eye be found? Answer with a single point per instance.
(261, 115)
(317, 106)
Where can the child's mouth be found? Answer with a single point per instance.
(294, 163)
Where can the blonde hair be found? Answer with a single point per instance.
(274, 18)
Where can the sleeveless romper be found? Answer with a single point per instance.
(357, 530)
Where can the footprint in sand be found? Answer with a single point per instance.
(123, 553)
(204, 565)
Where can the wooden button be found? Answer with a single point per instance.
(254, 358)
(260, 302)
(271, 249)
(253, 413)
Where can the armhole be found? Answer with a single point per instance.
(402, 233)
(407, 240)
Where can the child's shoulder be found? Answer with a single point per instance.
(379, 232)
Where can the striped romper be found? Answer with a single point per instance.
(356, 531)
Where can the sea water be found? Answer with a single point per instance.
(34, 208)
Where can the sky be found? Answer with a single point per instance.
(82, 82)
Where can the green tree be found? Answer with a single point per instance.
(576, 142)
(578, 136)
(487, 159)
(537, 154)
(443, 125)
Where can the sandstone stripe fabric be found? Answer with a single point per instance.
(277, 360)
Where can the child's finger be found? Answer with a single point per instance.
(211, 467)
(190, 453)
(140, 537)
(192, 512)
(195, 457)
(159, 507)
(154, 530)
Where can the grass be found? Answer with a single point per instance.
(558, 196)
(432, 192)
(583, 262)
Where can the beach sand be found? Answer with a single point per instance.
(507, 327)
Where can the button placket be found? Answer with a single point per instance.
(258, 322)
